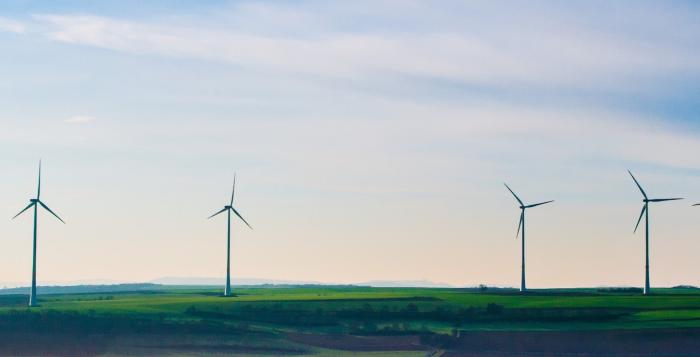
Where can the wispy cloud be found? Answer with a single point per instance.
(9, 25)
(542, 53)
(79, 119)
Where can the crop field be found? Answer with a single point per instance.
(315, 320)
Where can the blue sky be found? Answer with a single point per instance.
(371, 139)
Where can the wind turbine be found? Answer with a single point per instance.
(521, 229)
(645, 213)
(36, 202)
(228, 209)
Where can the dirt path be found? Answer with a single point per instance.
(360, 343)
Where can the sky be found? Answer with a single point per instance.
(370, 139)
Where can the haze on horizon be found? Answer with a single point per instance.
(370, 138)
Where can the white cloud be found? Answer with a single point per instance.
(79, 119)
(550, 54)
(9, 25)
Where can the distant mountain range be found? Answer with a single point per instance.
(85, 289)
(405, 284)
(14, 284)
(255, 281)
(106, 286)
(170, 283)
(175, 280)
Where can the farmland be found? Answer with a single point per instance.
(330, 320)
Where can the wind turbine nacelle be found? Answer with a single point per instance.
(33, 200)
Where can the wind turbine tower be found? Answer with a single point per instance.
(521, 231)
(228, 209)
(645, 214)
(36, 202)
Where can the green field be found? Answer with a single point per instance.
(286, 320)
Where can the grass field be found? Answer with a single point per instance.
(327, 320)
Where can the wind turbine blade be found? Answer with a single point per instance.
(638, 185)
(233, 191)
(223, 210)
(25, 208)
(50, 211)
(520, 223)
(664, 199)
(38, 190)
(239, 216)
(514, 195)
(538, 204)
(640, 218)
